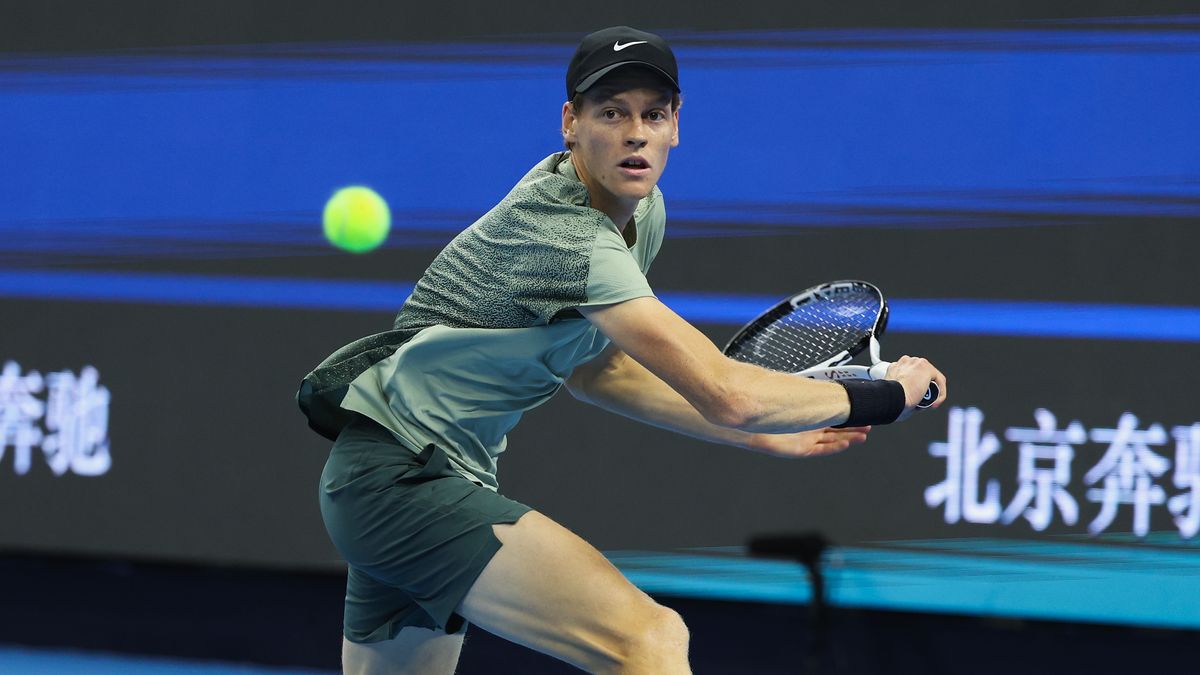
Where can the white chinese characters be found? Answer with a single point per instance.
(965, 450)
(1128, 468)
(1042, 488)
(1126, 473)
(1186, 505)
(62, 415)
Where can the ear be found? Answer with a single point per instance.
(568, 122)
(675, 135)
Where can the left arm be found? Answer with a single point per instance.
(619, 384)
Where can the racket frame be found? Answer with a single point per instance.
(869, 339)
(836, 368)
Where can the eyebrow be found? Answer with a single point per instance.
(606, 97)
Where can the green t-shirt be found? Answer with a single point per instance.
(492, 327)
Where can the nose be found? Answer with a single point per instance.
(636, 137)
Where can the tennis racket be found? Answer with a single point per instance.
(816, 332)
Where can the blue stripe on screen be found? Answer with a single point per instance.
(194, 289)
(928, 120)
(935, 316)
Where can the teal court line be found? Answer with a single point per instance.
(1085, 581)
(29, 661)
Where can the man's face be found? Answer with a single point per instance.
(622, 135)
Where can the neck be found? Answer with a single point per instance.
(620, 211)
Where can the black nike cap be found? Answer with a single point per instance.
(606, 50)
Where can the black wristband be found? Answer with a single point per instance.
(872, 402)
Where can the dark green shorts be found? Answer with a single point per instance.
(415, 532)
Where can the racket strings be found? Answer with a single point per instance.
(812, 332)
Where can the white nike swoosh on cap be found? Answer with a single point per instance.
(617, 46)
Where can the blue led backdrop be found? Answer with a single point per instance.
(1028, 195)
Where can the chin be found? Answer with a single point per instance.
(639, 191)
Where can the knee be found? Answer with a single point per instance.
(670, 630)
(661, 635)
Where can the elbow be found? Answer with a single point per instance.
(726, 401)
(730, 410)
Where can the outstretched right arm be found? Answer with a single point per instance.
(725, 392)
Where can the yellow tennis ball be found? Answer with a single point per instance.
(356, 219)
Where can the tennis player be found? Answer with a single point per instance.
(548, 288)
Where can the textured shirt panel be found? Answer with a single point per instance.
(518, 266)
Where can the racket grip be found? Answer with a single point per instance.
(931, 395)
(879, 370)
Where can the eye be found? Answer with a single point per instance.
(656, 115)
(610, 114)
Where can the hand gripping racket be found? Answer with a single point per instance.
(816, 332)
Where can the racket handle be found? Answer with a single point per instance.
(931, 395)
(879, 370)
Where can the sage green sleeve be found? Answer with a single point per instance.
(613, 273)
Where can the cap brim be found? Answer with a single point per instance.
(595, 77)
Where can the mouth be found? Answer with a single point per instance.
(635, 166)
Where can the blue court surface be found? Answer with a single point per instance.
(1115, 580)
(1150, 583)
(28, 661)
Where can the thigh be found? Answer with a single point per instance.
(548, 589)
(419, 651)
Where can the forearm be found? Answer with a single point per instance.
(725, 392)
(638, 394)
(629, 389)
(772, 402)
(744, 397)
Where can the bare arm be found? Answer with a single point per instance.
(617, 383)
(724, 392)
(728, 393)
